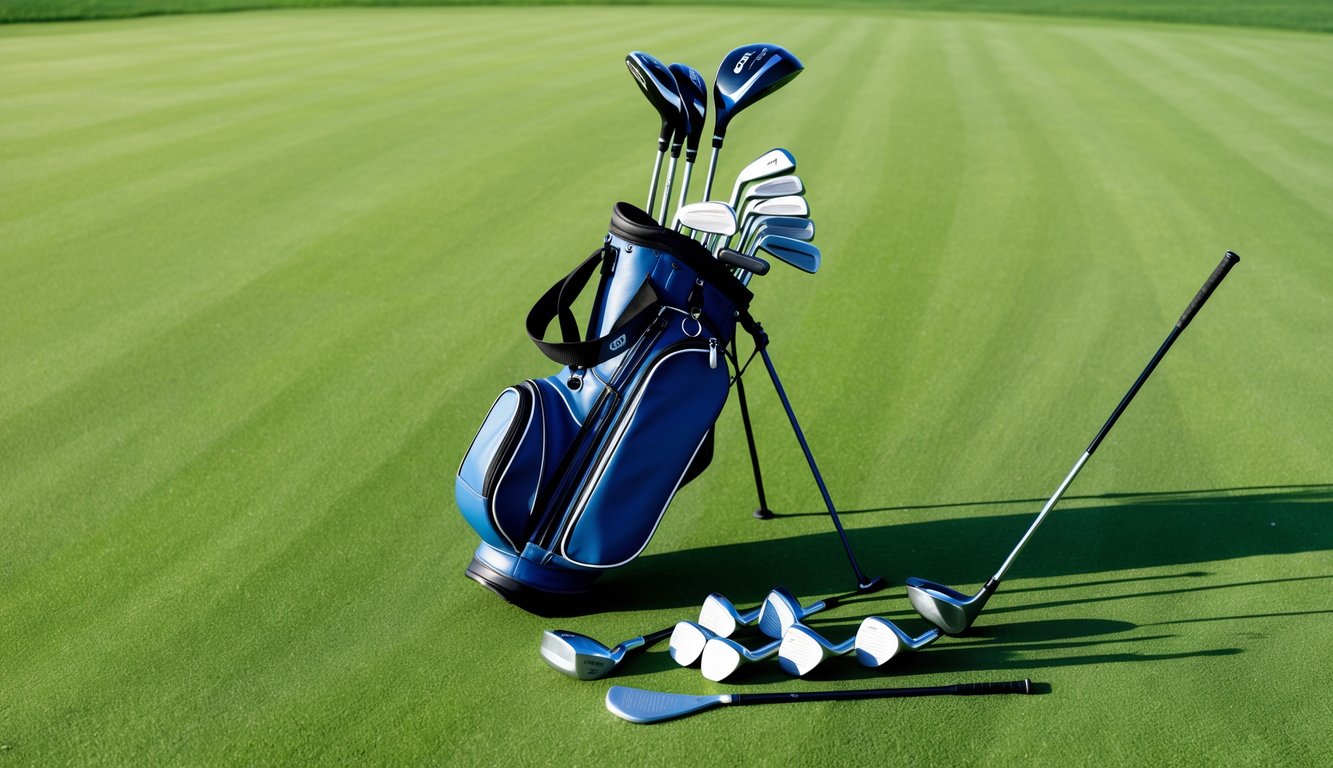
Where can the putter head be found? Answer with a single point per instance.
(659, 86)
(801, 255)
(579, 656)
(772, 163)
(715, 218)
(746, 75)
(950, 610)
(687, 642)
(694, 97)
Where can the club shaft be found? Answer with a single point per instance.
(1209, 285)
(712, 171)
(652, 185)
(666, 192)
(684, 185)
(964, 689)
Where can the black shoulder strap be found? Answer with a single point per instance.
(642, 309)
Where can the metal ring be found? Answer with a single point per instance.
(698, 326)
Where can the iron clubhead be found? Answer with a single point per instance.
(715, 218)
(801, 255)
(580, 656)
(879, 640)
(774, 162)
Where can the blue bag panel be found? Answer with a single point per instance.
(520, 442)
(641, 464)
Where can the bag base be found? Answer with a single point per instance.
(561, 592)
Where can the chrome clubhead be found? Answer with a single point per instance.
(795, 227)
(786, 205)
(687, 642)
(772, 163)
(712, 217)
(803, 649)
(580, 656)
(879, 640)
(720, 616)
(723, 656)
(950, 610)
(801, 255)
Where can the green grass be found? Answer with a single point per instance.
(263, 274)
(1309, 15)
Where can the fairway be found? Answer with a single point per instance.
(262, 274)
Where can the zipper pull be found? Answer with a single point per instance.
(712, 353)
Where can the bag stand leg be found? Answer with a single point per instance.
(863, 583)
(763, 512)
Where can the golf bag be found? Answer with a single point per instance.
(571, 474)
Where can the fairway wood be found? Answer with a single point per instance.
(722, 656)
(659, 86)
(879, 640)
(694, 97)
(680, 131)
(772, 163)
(582, 657)
(950, 610)
(803, 256)
(746, 75)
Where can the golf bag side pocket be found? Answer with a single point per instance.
(527, 429)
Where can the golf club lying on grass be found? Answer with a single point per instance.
(719, 618)
(954, 612)
(722, 656)
(582, 657)
(640, 706)
(803, 649)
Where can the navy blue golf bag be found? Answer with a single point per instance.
(571, 474)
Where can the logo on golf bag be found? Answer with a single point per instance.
(618, 342)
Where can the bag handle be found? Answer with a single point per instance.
(556, 302)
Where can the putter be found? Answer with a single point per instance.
(694, 96)
(658, 85)
(954, 612)
(803, 649)
(746, 75)
(583, 658)
(639, 706)
(774, 162)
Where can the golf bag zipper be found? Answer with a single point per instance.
(594, 427)
(606, 444)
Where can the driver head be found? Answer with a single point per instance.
(746, 75)
(694, 99)
(578, 655)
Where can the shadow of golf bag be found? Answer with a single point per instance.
(571, 474)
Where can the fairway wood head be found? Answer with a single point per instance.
(774, 162)
(746, 75)
(879, 640)
(715, 218)
(801, 255)
(950, 610)
(687, 642)
(659, 86)
(579, 656)
(694, 97)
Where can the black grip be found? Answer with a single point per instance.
(982, 689)
(734, 258)
(1228, 261)
(658, 636)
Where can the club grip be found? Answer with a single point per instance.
(1209, 285)
(982, 689)
(735, 258)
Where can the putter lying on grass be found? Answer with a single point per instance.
(954, 612)
(640, 706)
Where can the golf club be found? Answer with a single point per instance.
(639, 706)
(803, 649)
(719, 618)
(746, 75)
(801, 255)
(657, 83)
(795, 227)
(680, 130)
(694, 97)
(712, 218)
(774, 162)
(954, 612)
(583, 658)
(780, 196)
(722, 656)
